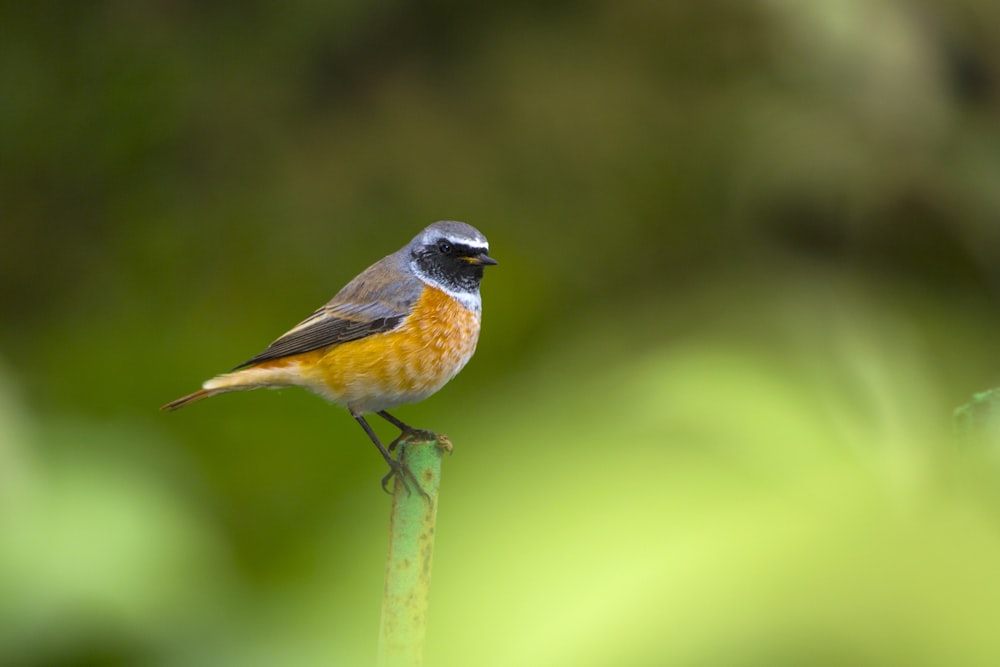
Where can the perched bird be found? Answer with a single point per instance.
(395, 334)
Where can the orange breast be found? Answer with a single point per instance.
(401, 366)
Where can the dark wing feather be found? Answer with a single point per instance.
(378, 300)
(324, 332)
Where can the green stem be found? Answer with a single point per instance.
(978, 421)
(411, 547)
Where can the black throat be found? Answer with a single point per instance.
(450, 271)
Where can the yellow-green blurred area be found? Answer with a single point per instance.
(749, 265)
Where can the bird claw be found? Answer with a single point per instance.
(413, 434)
(400, 471)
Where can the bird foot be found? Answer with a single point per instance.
(414, 435)
(403, 475)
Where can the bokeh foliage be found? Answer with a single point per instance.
(749, 265)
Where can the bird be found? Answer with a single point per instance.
(394, 335)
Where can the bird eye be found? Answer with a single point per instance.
(445, 247)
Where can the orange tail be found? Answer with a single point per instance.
(192, 398)
(248, 378)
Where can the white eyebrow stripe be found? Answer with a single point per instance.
(475, 244)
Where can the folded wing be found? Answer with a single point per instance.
(378, 300)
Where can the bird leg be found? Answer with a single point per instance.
(405, 430)
(396, 467)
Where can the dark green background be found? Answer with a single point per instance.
(749, 260)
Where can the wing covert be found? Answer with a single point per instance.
(323, 332)
(376, 301)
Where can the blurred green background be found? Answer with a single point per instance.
(750, 263)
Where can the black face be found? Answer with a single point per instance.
(455, 265)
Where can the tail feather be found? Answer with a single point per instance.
(248, 378)
(193, 398)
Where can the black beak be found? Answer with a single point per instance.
(483, 259)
